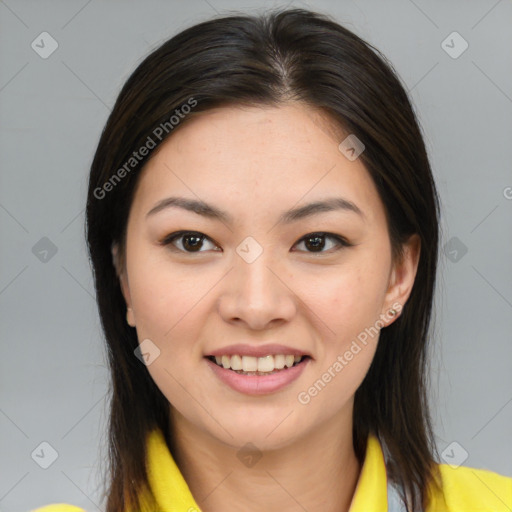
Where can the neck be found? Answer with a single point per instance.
(319, 471)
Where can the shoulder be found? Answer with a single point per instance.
(58, 507)
(475, 490)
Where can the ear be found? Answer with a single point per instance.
(123, 281)
(402, 278)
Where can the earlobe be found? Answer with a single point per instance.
(130, 320)
(125, 290)
(402, 278)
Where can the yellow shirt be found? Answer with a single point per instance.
(465, 489)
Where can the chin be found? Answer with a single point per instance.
(270, 431)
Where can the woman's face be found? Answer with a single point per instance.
(267, 277)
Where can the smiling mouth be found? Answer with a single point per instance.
(258, 366)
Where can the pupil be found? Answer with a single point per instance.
(317, 244)
(194, 245)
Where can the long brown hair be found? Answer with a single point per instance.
(277, 57)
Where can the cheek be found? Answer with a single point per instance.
(166, 296)
(348, 299)
(171, 307)
(347, 307)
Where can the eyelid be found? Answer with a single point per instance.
(341, 241)
(169, 239)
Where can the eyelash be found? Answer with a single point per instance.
(342, 243)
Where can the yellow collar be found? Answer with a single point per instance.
(172, 493)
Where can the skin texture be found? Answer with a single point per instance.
(255, 163)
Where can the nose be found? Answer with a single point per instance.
(257, 294)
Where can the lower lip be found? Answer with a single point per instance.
(258, 384)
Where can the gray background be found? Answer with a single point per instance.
(53, 373)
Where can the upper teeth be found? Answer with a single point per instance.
(257, 364)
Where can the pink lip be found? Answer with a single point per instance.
(258, 384)
(258, 350)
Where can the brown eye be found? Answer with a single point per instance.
(191, 241)
(316, 242)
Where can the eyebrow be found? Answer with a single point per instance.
(293, 215)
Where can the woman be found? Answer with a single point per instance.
(263, 226)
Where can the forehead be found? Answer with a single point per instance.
(294, 127)
(273, 154)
